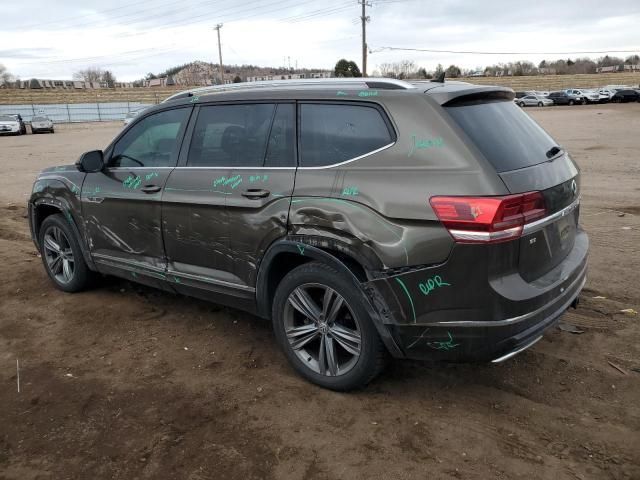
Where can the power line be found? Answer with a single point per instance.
(471, 52)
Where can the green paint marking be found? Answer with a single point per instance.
(406, 291)
(431, 284)
(134, 274)
(149, 176)
(424, 143)
(301, 249)
(444, 345)
(195, 99)
(340, 93)
(132, 182)
(355, 205)
(176, 279)
(350, 191)
(368, 93)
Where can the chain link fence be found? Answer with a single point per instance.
(74, 112)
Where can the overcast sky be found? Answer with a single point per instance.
(52, 39)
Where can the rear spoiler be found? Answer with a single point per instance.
(461, 93)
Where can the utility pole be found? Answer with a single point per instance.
(218, 27)
(364, 18)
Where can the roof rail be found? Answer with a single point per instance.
(379, 83)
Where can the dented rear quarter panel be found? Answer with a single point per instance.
(380, 202)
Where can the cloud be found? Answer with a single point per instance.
(133, 37)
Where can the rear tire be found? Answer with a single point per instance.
(540, 104)
(322, 325)
(62, 255)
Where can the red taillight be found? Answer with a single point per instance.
(488, 219)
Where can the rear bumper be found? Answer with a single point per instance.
(462, 317)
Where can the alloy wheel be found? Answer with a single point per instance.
(322, 330)
(58, 254)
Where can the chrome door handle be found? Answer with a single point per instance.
(255, 193)
(151, 189)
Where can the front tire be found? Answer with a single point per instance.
(522, 104)
(540, 104)
(322, 325)
(571, 102)
(62, 256)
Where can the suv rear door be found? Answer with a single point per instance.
(121, 204)
(229, 197)
(264, 173)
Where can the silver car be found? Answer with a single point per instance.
(131, 115)
(534, 101)
(9, 125)
(41, 123)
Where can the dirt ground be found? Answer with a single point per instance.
(125, 382)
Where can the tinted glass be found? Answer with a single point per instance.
(334, 133)
(282, 140)
(505, 135)
(39, 119)
(152, 142)
(7, 118)
(231, 136)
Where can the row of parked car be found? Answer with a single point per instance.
(578, 96)
(14, 125)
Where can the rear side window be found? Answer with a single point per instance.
(231, 135)
(505, 135)
(331, 134)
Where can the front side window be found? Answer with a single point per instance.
(231, 135)
(152, 142)
(331, 134)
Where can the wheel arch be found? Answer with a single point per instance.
(42, 207)
(286, 254)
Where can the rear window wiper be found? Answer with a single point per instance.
(553, 152)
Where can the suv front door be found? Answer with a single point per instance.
(121, 204)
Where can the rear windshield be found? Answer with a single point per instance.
(39, 119)
(504, 134)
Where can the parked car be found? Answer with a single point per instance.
(131, 115)
(534, 101)
(606, 94)
(23, 127)
(41, 123)
(9, 124)
(587, 96)
(277, 200)
(625, 96)
(564, 98)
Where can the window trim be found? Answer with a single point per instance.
(183, 157)
(376, 106)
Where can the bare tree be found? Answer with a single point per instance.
(108, 78)
(5, 76)
(90, 74)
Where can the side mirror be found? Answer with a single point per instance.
(91, 162)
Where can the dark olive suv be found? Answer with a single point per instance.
(364, 217)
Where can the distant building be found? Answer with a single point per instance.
(289, 76)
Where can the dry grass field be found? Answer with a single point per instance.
(155, 95)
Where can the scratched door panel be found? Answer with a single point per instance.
(261, 188)
(122, 220)
(195, 226)
(256, 221)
